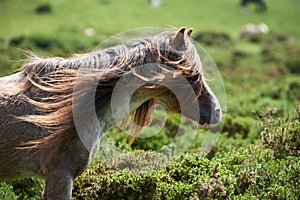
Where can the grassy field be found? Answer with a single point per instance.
(257, 154)
(18, 17)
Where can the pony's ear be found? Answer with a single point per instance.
(178, 40)
(189, 31)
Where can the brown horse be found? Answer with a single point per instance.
(48, 109)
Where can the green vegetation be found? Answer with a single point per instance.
(257, 154)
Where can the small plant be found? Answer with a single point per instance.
(7, 192)
(235, 126)
(293, 65)
(213, 39)
(283, 137)
(247, 172)
(28, 188)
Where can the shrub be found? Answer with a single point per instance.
(258, 38)
(59, 44)
(7, 192)
(238, 125)
(269, 170)
(273, 92)
(283, 137)
(213, 39)
(267, 39)
(248, 172)
(28, 188)
(293, 65)
(293, 92)
(43, 8)
(138, 160)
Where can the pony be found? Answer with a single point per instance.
(260, 4)
(156, 3)
(47, 125)
(252, 29)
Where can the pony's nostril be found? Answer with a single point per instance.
(218, 114)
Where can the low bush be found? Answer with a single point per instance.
(267, 170)
(267, 38)
(6, 191)
(43, 8)
(237, 125)
(213, 38)
(293, 92)
(293, 65)
(252, 171)
(258, 38)
(59, 45)
(283, 137)
(28, 188)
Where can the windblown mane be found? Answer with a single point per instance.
(50, 82)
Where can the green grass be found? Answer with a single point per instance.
(261, 76)
(18, 17)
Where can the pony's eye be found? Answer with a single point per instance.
(194, 79)
(174, 56)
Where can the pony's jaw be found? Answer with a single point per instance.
(206, 110)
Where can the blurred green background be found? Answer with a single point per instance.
(257, 155)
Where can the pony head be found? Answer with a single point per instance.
(175, 78)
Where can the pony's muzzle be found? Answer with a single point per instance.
(210, 115)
